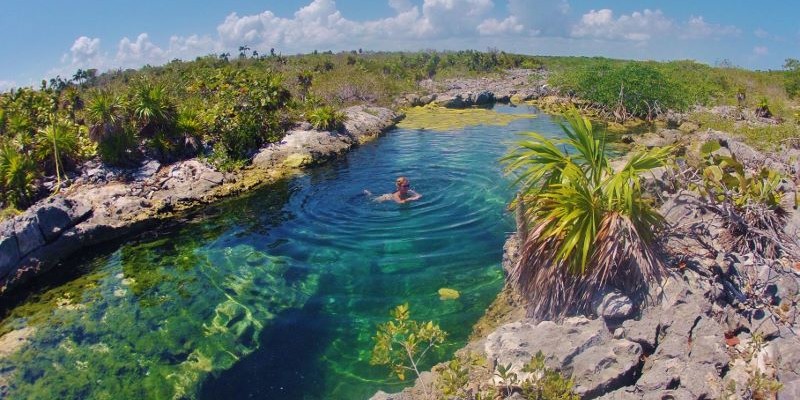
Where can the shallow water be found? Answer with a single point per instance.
(277, 294)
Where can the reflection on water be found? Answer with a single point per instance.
(277, 294)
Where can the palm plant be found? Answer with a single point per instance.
(327, 118)
(152, 109)
(17, 175)
(58, 141)
(589, 227)
(104, 114)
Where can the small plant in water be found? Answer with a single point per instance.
(403, 343)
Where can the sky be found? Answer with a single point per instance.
(46, 38)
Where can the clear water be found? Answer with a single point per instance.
(277, 295)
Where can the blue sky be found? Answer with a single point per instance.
(45, 38)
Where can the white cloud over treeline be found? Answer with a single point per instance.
(433, 24)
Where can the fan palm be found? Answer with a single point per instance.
(152, 109)
(58, 141)
(17, 175)
(588, 226)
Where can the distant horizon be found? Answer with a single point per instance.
(92, 34)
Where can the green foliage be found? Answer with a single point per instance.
(749, 202)
(590, 226)
(17, 175)
(327, 118)
(627, 89)
(401, 344)
(546, 383)
(792, 77)
(242, 111)
(58, 143)
(119, 148)
(725, 178)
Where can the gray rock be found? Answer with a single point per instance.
(578, 347)
(645, 330)
(147, 170)
(764, 325)
(614, 306)
(59, 214)
(789, 390)
(603, 368)
(9, 254)
(29, 237)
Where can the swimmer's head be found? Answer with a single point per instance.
(401, 182)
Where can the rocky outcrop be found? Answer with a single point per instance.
(519, 84)
(578, 347)
(108, 203)
(722, 324)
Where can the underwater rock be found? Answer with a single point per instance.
(448, 294)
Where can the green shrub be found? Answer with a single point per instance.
(17, 175)
(403, 343)
(242, 111)
(625, 89)
(589, 226)
(58, 146)
(327, 118)
(119, 148)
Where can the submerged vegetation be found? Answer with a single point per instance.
(586, 226)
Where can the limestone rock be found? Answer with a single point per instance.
(614, 306)
(578, 347)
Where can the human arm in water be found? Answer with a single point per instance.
(412, 196)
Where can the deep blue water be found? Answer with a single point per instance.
(277, 294)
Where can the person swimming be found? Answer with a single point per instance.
(403, 194)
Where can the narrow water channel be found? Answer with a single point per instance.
(277, 294)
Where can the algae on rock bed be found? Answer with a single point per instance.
(437, 118)
(152, 322)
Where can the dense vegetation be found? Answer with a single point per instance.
(217, 106)
(622, 89)
(225, 107)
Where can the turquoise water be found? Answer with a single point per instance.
(277, 294)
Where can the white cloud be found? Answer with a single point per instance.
(760, 33)
(141, 51)
(492, 26)
(638, 26)
(698, 28)
(760, 50)
(548, 17)
(646, 25)
(440, 24)
(84, 50)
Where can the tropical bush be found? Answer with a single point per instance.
(242, 111)
(750, 203)
(327, 118)
(632, 89)
(17, 175)
(403, 343)
(588, 226)
(58, 146)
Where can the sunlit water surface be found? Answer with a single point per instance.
(277, 294)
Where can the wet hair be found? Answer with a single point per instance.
(400, 181)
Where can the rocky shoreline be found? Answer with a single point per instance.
(105, 204)
(723, 324)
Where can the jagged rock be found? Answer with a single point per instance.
(578, 347)
(147, 170)
(787, 368)
(614, 306)
(29, 237)
(644, 331)
(764, 325)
